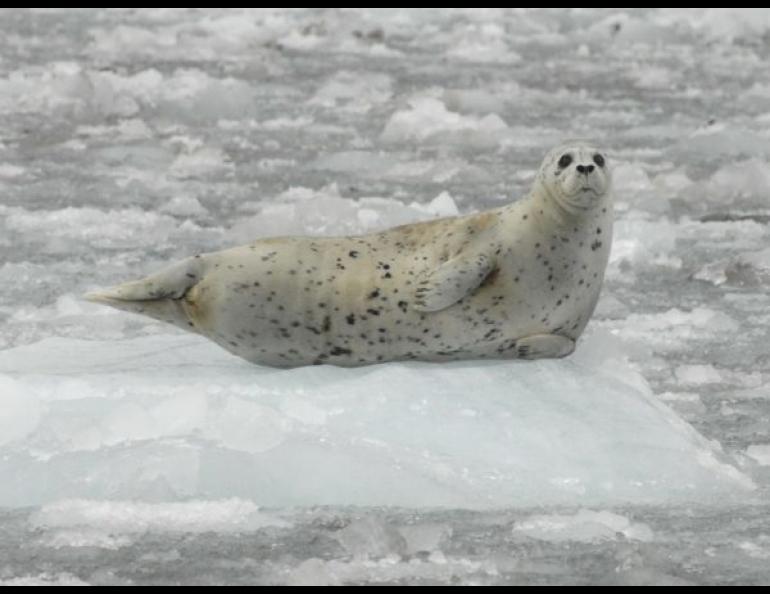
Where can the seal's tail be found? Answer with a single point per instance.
(158, 296)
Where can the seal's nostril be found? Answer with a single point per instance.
(580, 169)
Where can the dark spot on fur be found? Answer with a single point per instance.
(337, 351)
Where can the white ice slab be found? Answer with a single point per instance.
(173, 417)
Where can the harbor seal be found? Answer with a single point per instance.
(520, 281)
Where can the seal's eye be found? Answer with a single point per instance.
(599, 160)
(565, 160)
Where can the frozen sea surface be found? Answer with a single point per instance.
(131, 453)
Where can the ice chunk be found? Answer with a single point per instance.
(380, 166)
(653, 77)
(185, 206)
(74, 229)
(698, 374)
(9, 171)
(425, 537)
(720, 141)
(354, 91)
(442, 205)
(633, 189)
(127, 517)
(741, 181)
(306, 211)
(748, 269)
(20, 410)
(482, 42)
(85, 536)
(437, 568)
(583, 526)
(755, 550)
(370, 537)
(475, 100)
(669, 330)
(201, 162)
(173, 416)
(760, 453)
(428, 120)
(671, 183)
(45, 579)
(641, 243)
(69, 87)
(730, 23)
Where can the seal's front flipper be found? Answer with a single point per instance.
(544, 346)
(452, 281)
(158, 296)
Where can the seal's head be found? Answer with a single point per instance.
(576, 176)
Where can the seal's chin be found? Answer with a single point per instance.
(581, 198)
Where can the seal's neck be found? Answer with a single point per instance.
(549, 208)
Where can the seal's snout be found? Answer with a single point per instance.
(585, 169)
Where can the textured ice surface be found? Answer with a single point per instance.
(132, 137)
(230, 515)
(583, 526)
(175, 417)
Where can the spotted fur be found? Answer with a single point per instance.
(519, 281)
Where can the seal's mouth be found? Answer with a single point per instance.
(583, 193)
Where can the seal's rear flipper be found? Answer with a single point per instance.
(158, 296)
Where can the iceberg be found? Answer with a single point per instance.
(170, 417)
